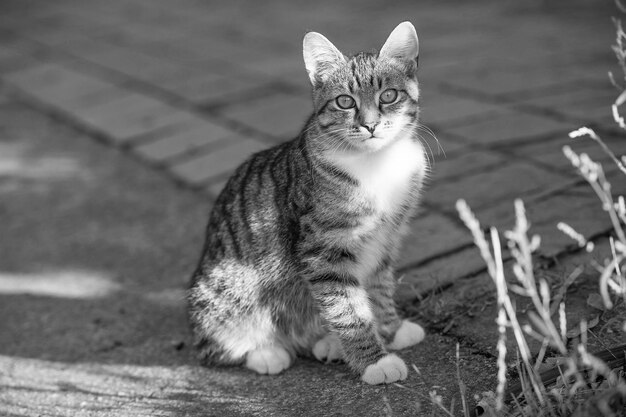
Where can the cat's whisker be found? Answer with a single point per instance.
(423, 128)
(431, 156)
(430, 132)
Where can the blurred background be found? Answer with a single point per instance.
(121, 120)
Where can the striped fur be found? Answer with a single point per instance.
(302, 241)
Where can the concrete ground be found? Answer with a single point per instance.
(121, 120)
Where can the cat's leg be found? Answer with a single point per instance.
(408, 334)
(328, 349)
(397, 333)
(269, 360)
(344, 307)
(231, 330)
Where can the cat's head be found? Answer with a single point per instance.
(366, 101)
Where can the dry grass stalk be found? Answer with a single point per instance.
(579, 369)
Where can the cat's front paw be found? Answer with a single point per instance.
(328, 349)
(388, 369)
(270, 360)
(408, 334)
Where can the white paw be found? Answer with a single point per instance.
(270, 360)
(387, 370)
(408, 334)
(328, 349)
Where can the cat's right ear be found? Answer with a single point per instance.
(320, 57)
(402, 43)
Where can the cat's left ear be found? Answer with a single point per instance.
(402, 43)
(320, 57)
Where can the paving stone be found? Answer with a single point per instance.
(512, 82)
(551, 152)
(596, 69)
(65, 88)
(431, 235)
(173, 53)
(39, 77)
(132, 63)
(278, 115)
(509, 126)
(500, 215)
(289, 69)
(450, 43)
(466, 163)
(582, 212)
(415, 283)
(616, 178)
(62, 87)
(107, 17)
(585, 103)
(85, 47)
(487, 188)
(202, 168)
(11, 60)
(137, 33)
(182, 138)
(76, 94)
(443, 146)
(65, 26)
(130, 116)
(577, 206)
(233, 52)
(204, 87)
(97, 97)
(216, 187)
(441, 108)
(521, 68)
(430, 74)
(296, 19)
(453, 62)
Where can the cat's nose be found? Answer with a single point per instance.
(370, 126)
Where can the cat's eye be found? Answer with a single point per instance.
(345, 102)
(388, 96)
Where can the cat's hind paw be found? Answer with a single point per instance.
(269, 360)
(408, 334)
(388, 369)
(328, 349)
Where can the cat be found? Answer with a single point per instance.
(301, 243)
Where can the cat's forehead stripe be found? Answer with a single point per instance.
(362, 67)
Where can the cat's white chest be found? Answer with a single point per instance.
(385, 176)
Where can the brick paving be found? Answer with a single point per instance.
(194, 89)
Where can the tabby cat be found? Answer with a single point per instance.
(301, 243)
